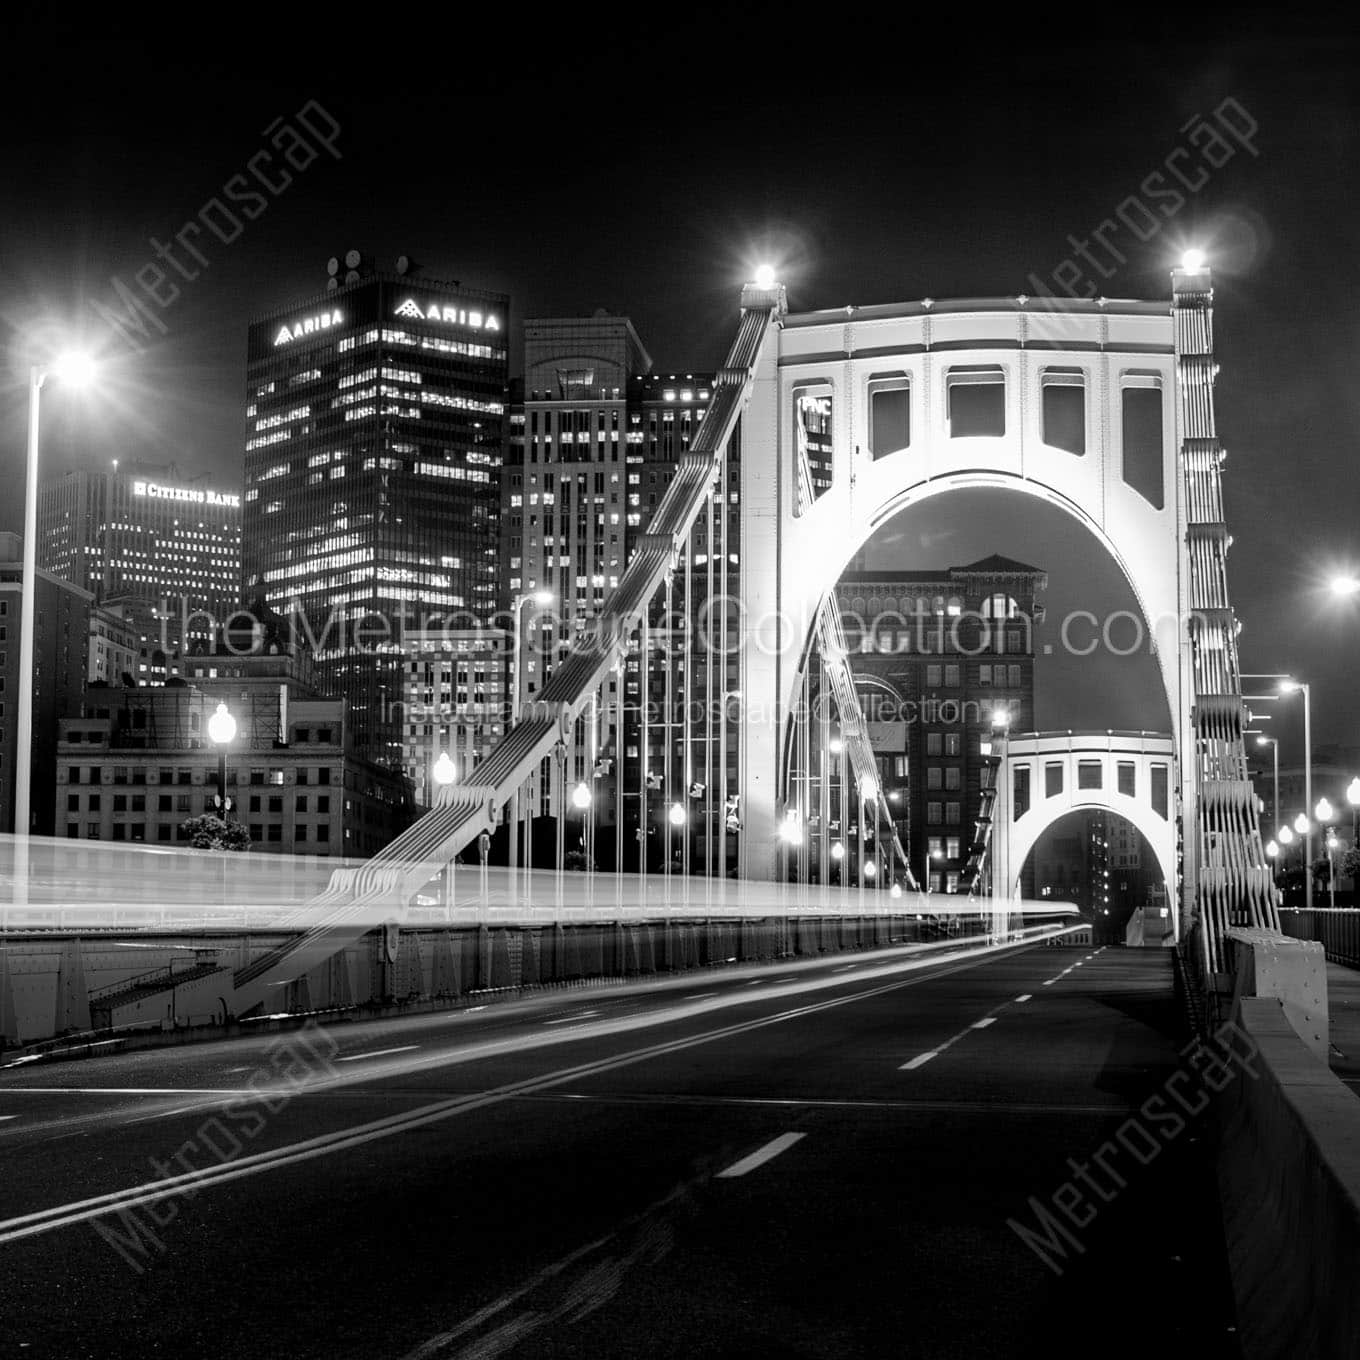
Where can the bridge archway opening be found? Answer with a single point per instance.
(1100, 862)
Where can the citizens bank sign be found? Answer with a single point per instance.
(450, 316)
(309, 325)
(154, 491)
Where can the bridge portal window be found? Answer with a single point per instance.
(1053, 779)
(1125, 775)
(976, 401)
(889, 413)
(813, 427)
(1090, 774)
(1020, 791)
(1160, 791)
(1142, 436)
(1064, 399)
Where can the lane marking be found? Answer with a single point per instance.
(1025, 996)
(984, 1022)
(567, 1019)
(4, 1117)
(699, 996)
(755, 982)
(377, 1053)
(920, 1060)
(846, 969)
(762, 1155)
(322, 1145)
(131, 1091)
(811, 1102)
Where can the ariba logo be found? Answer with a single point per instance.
(453, 316)
(309, 325)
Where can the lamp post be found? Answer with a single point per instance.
(1353, 798)
(1301, 687)
(77, 370)
(1272, 854)
(728, 695)
(222, 732)
(445, 773)
(1331, 867)
(542, 598)
(581, 799)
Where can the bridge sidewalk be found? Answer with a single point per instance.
(1343, 1005)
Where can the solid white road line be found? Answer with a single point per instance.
(846, 969)
(567, 1019)
(760, 1156)
(920, 1060)
(698, 996)
(1050, 982)
(984, 1022)
(377, 1053)
(4, 1117)
(1025, 996)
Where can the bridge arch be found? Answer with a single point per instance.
(1045, 776)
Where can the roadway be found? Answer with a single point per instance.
(802, 1160)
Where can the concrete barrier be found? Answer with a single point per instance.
(1264, 964)
(1289, 1178)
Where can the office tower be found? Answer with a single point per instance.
(376, 416)
(938, 656)
(590, 457)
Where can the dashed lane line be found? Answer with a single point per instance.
(377, 1053)
(761, 1155)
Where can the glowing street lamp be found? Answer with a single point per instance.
(222, 732)
(1324, 810)
(1286, 835)
(838, 851)
(765, 277)
(1353, 798)
(1344, 585)
(1303, 826)
(444, 771)
(542, 598)
(581, 797)
(1192, 261)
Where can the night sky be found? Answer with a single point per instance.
(644, 161)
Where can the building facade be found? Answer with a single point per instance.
(135, 764)
(940, 658)
(456, 691)
(60, 658)
(114, 646)
(376, 419)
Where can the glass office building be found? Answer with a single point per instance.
(376, 418)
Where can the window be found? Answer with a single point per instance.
(953, 813)
(323, 803)
(976, 402)
(951, 848)
(163, 832)
(1013, 677)
(1159, 791)
(300, 832)
(323, 832)
(300, 803)
(1020, 791)
(1053, 779)
(1089, 774)
(952, 777)
(934, 813)
(274, 832)
(1064, 394)
(73, 830)
(934, 777)
(323, 775)
(934, 846)
(953, 743)
(984, 675)
(184, 776)
(813, 429)
(1125, 778)
(254, 802)
(951, 676)
(889, 414)
(934, 743)
(72, 802)
(276, 776)
(1142, 436)
(95, 801)
(276, 804)
(934, 676)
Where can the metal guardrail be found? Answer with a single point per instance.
(1337, 929)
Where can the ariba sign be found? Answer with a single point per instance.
(449, 315)
(309, 325)
(154, 491)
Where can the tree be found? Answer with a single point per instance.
(212, 833)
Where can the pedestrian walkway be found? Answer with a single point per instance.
(1343, 1007)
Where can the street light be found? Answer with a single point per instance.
(444, 771)
(1303, 826)
(542, 598)
(77, 370)
(1332, 844)
(1353, 798)
(1289, 686)
(1274, 744)
(1345, 585)
(222, 732)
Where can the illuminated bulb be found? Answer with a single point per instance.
(221, 726)
(1192, 261)
(1286, 835)
(1272, 850)
(837, 851)
(444, 770)
(1345, 585)
(765, 276)
(1301, 824)
(1353, 792)
(1325, 811)
(74, 368)
(870, 870)
(676, 815)
(580, 797)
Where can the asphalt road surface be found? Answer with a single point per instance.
(809, 1160)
